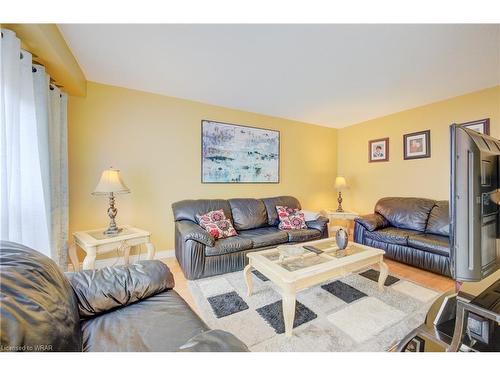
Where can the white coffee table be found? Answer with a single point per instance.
(301, 272)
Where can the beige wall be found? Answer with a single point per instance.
(155, 141)
(420, 177)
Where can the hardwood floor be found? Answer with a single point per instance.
(181, 285)
(428, 279)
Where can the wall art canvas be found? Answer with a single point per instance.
(239, 154)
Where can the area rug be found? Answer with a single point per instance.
(348, 314)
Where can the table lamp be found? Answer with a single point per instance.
(110, 184)
(340, 183)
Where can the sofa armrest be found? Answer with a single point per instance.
(372, 221)
(191, 231)
(319, 224)
(98, 291)
(214, 340)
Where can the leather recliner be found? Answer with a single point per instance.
(414, 231)
(255, 220)
(122, 308)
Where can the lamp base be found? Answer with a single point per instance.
(339, 200)
(112, 211)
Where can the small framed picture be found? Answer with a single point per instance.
(378, 150)
(417, 145)
(480, 126)
(480, 328)
(416, 345)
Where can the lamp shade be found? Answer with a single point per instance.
(111, 182)
(340, 182)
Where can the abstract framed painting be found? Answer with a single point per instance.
(417, 145)
(233, 153)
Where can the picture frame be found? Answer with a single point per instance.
(232, 153)
(378, 150)
(480, 328)
(481, 126)
(416, 345)
(417, 145)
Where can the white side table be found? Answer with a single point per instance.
(344, 216)
(95, 242)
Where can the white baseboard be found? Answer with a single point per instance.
(114, 261)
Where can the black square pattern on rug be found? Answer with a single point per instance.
(343, 291)
(227, 304)
(260, 275)
(273, 315)
(374, 274)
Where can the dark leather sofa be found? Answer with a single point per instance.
(123, 308)
(256, 222)
(414, 231)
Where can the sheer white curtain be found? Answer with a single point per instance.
(33, 154)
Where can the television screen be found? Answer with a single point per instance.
(474, 210)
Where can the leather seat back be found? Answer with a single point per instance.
(271, 203)
(248, 213)
(38, 308)
(407, 213)
(188, 209)
(439, 219)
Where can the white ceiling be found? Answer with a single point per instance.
(331, 75)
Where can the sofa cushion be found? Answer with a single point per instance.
(439, 219)
(229, 245)
(102, 290)
(271, 203)
(432, 243)
(262, 237)
(391, 235)
(188, 209)
(301, 235)
(248, 213)
(407, 213)
(160, 323)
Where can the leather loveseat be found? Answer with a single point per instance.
(122, 308)
(414, 231)
(255, 220)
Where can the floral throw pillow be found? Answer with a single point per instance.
(216, 224)
(220, 229)
(290, 218)
(211, 216)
